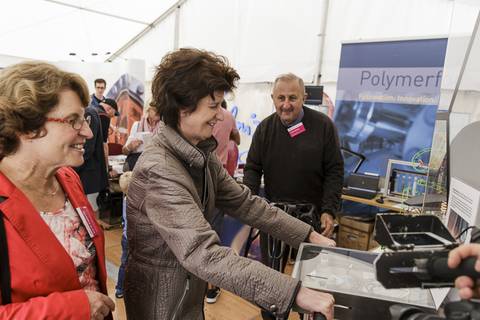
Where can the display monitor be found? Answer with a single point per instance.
(405, 179)
(314, 95)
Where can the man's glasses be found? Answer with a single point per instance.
(76, 123)
(100, 88)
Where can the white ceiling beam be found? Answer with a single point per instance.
(97, 12)
(150, 27)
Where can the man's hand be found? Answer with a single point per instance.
(467, 287)
(315, 301)
(327, 224)
(317, 238)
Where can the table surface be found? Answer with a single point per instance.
(387, 204)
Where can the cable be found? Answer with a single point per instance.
(463, 231)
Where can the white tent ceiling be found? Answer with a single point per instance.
(261, 38)
(51, 30)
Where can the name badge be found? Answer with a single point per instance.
(88, 222)
(297, 129)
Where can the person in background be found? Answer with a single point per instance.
(175, 188)
(297, 150)
(148, 124)
(100, 86)
(224, 132)
(92, 172)
(232, 158)
(54, 249)
(107, 109)
(124, 181)
(468, 288)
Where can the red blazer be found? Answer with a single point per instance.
(44, 280)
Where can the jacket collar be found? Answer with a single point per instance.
(194, 156)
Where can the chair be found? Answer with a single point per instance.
(114, 149)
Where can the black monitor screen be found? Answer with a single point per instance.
(314, 95)
(419, 239)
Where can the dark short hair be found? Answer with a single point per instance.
(111, 102)
(29, 91)
(100, 80)
(184, 77)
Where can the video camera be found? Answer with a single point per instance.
(426, 269)
(421, 245)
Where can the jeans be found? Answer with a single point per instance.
(121, 269)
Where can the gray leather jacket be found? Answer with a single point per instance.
(172, 247)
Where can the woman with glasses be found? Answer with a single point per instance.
(52, 262)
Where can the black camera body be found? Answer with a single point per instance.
(277, 249)
(459, 310)
(307, 212)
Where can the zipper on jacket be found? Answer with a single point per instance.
(184, 294)
(205, 184)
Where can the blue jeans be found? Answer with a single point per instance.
(121, 269)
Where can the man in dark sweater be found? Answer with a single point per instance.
(297, 151)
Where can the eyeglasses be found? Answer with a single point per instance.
(100, 88)
(76, 123)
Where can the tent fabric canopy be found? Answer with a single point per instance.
(51, 30)
(260, 38)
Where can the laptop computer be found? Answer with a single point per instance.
(362, 185)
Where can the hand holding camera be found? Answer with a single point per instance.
(467, 287)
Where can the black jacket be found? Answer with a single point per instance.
(93, 172)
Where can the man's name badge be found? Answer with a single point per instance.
(88, 222)
(297, 129)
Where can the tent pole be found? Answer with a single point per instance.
(321, 43)
(147, 29)
(177, 29)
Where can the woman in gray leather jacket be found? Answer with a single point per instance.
(176, 185)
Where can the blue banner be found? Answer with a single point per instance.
(387, 98)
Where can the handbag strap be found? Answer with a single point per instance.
(4, 263)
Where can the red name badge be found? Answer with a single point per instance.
(297, 129)
(88, 221)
